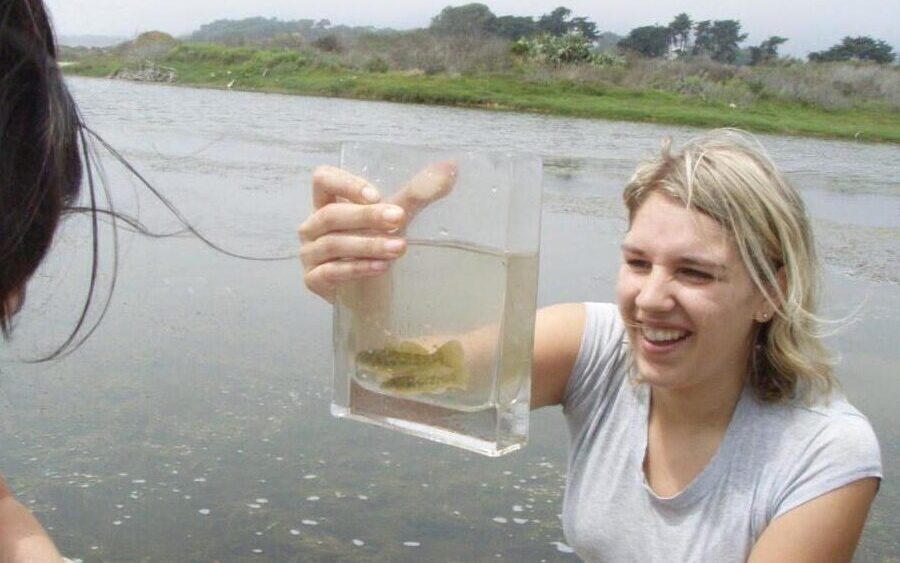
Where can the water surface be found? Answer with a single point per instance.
(194, 425)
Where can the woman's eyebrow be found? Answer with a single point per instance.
(687, 260)
(703, 263)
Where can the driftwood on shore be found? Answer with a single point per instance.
(147, 72)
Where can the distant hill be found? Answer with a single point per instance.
(90, 40)
(147, 45)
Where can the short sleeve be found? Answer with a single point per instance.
(842, 451)
(599, 359)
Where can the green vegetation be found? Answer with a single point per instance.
(858, 48)
(686, 73)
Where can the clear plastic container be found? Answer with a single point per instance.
(440, 346)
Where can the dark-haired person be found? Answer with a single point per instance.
(40, 177)
(43, 158)
(705, 420)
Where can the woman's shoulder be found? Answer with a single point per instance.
(811, 449)
(826, 420)
(601, 360)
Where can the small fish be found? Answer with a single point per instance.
(409, 368)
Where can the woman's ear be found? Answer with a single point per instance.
(772, 303)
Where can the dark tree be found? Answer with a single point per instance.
(859, 48)
(556, 22)
(704, 41)
(469, 19)
(719, 39)
(727, 34)
(680, 32)
(767, 51)
(650, 40)
(585, 27)
(514, 27)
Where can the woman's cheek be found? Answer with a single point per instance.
(626, 291)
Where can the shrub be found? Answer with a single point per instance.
(376, 64)
(570, 48)
(329, 44)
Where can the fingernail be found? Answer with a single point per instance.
(392, 214)
(394, 245)
(370, 194)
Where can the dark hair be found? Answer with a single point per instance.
(40, 163)
(45, 152)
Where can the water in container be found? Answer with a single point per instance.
(440, 346)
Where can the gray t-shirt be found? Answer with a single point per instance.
(772, 459)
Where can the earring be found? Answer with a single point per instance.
(765, 317)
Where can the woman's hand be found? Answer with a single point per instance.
(348, 235)
(351, 234)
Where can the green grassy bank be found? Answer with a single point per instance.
(293, 73)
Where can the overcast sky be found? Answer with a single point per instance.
(810, 25)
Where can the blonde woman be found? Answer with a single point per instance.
(705, 420)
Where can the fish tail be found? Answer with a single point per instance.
(451, 354)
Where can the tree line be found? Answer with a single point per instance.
(478, 19)
(719, 40)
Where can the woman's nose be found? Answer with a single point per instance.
(654, 292)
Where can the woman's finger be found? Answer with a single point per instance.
(323, 280)
(341, 246)
(430, 184)
(331, 183)
(351, 217)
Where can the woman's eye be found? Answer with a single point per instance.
(636, 264)
(697, 274)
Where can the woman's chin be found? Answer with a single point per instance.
(659, 376)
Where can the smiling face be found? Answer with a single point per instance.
(686, 297)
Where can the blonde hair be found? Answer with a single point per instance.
(728, 176)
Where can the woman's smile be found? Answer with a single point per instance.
(662, 341)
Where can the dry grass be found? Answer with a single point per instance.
(432, 54)
(829, 86)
